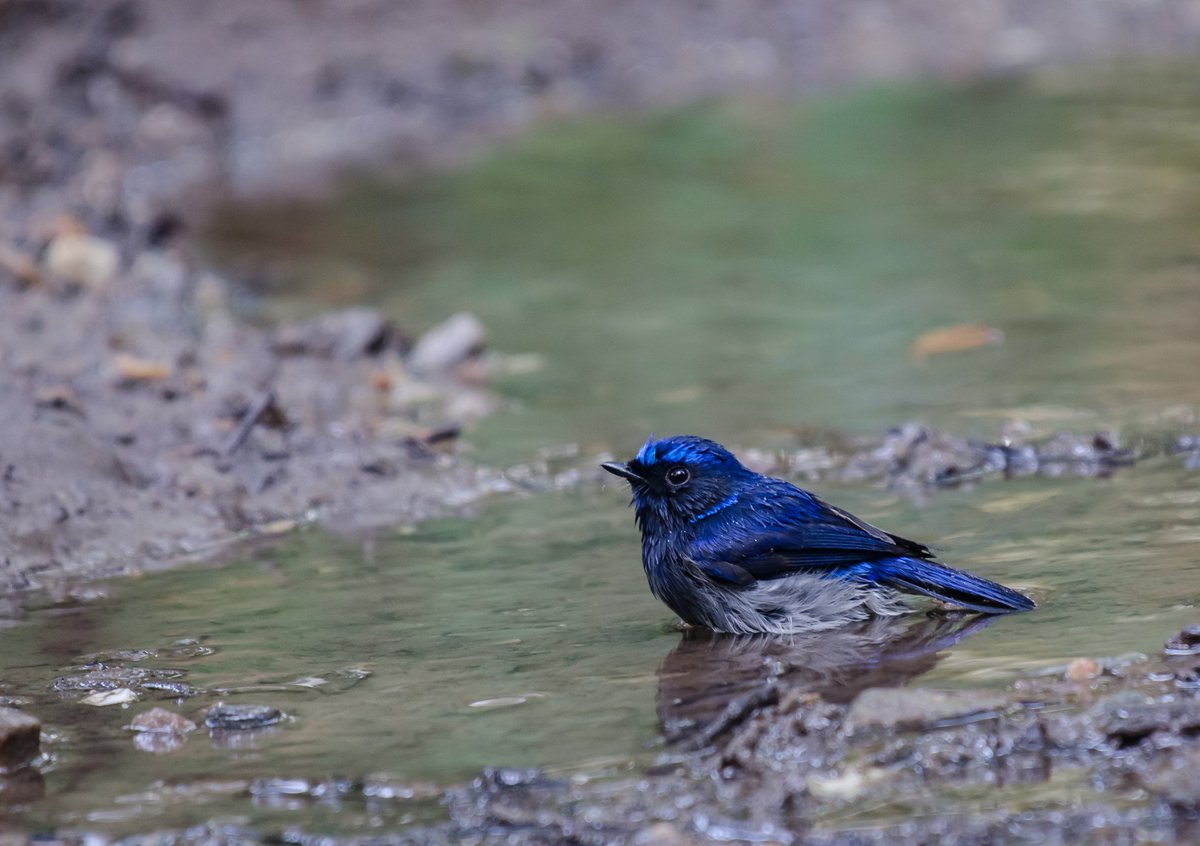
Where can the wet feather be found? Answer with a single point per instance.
(734, 551)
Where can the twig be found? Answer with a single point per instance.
(249, 420)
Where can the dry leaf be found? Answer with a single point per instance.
(133, 369)
(964, 336)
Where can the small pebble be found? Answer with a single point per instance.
(1187, 642)
(117, 696)
(1082, 669)
(83, 259)
(661, 834)
(448, 344)
(20, 737)
(133, 369)
(161, 720)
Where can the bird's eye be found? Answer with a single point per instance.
(678, 476)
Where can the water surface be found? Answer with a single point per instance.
(527, 637)
(745, 271)
(741, 270)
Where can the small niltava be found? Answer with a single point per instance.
(734, 551)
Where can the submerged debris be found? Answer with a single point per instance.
(900, 709)
(161, 720)
(241, 717)
(160, 731)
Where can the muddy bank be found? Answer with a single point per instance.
(914, 457)
(154, 432)
(117, 105)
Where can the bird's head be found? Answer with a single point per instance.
(681, 479)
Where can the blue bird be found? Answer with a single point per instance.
(734, 551)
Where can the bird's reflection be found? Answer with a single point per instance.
(707, 673)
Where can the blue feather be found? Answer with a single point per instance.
(957, 587)
(732, 550)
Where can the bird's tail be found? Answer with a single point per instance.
(949, 585)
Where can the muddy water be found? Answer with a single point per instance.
(740, 271)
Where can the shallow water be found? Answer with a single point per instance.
(527, 637)
(744, 271)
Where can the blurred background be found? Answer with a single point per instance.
(965, 256)
(745, 220)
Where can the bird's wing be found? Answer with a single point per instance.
(795, 532)
(793, 535)
(911, 547)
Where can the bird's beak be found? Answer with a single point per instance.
(622, 470)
